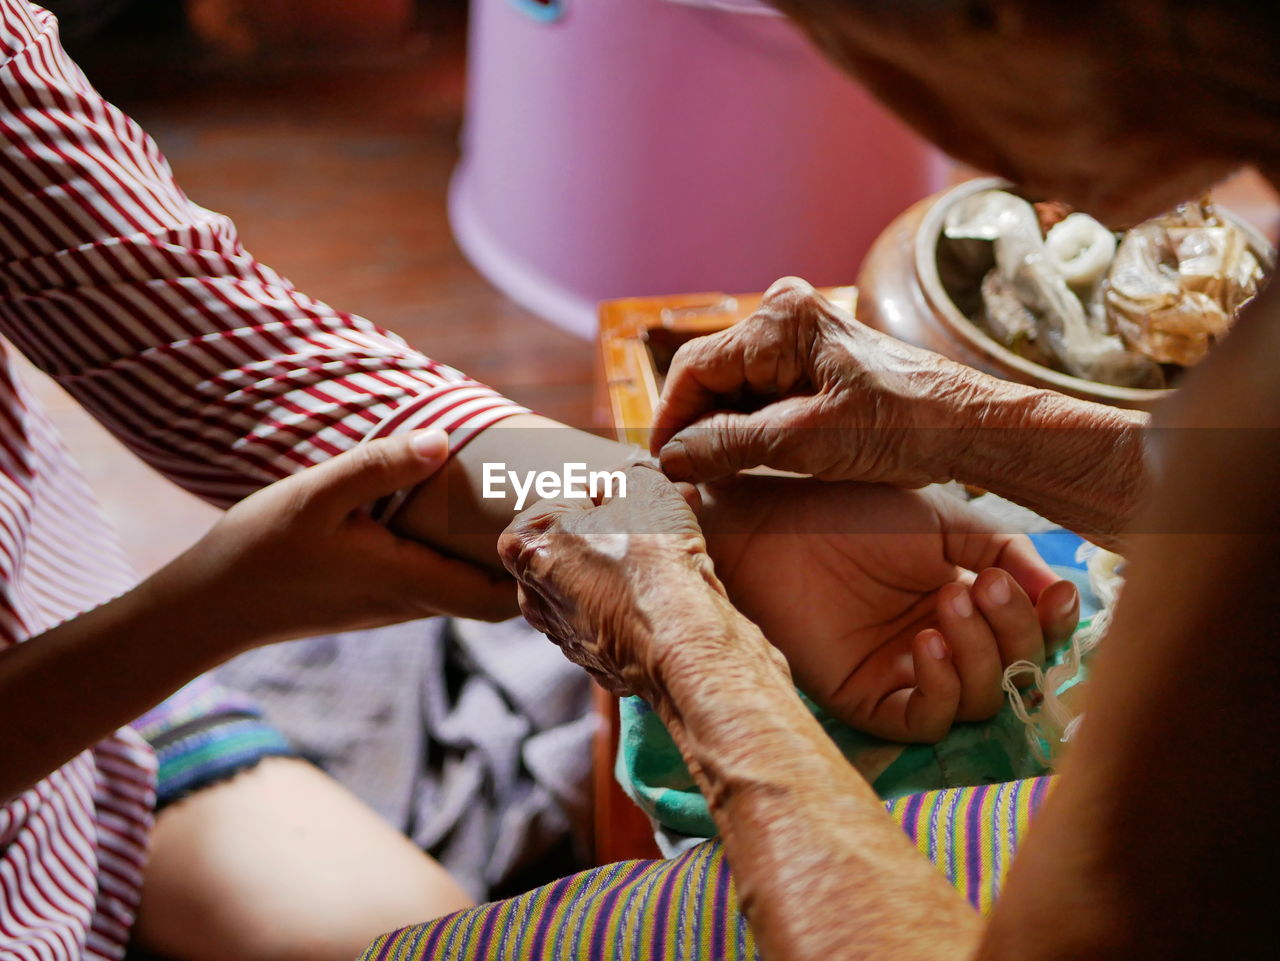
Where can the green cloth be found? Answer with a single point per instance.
(653, 774)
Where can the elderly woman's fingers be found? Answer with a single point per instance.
(779, 342)
(574, 561)
(922, 714)
(975, 653)
(653, 505)
(692, 496)
(718, 446)
(540, 615)
(1058, 609)
(1012, 617)
(766, 354)
(702, 372)
(725, 442)
(647, 483)
(523, 542)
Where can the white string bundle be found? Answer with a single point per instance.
(1053, 722)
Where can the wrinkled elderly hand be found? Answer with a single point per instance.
(802, 386)
(302, 556)
(618, 584)
(897, 610)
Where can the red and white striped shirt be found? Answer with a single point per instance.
(207, 364)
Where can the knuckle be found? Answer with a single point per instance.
(681, 359)
(528, 563)
(933, 730)
(510, 545)
(378, 458)
(740, 437)
(797, 307)
(759, 360)
(695, 353)
(539, 519)
(793, 289)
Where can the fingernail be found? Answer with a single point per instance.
(998, 592)
(1069, 605)
(937, 647)
(962, 604)
(675, 460)
(430, 444)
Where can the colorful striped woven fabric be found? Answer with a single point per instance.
(206, 733)
(686, 908)
(971, 833)
(652, 771)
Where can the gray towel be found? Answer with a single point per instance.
(474, 739)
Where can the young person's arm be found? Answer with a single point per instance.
(298, 558)
(207, 363)
(450, 509)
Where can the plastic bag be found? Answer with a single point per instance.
(1062, 324)
(1178, 283)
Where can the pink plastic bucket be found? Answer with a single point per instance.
(619, 148)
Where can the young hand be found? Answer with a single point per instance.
(303, 557)
(897, 610)
(300, 557)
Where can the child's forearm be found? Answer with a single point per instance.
(296, 559)
(449, 511)
(67, 689)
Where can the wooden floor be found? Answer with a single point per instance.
(335, 171)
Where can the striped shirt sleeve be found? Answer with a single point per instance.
(146, 308)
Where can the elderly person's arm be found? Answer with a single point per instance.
(803, 386)
(1154, 840)
(821, 871)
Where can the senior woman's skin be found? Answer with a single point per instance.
(1161, 829)
(1152, 843)
(828, 396)
(647, 610)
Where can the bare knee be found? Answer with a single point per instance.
(282, 863)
